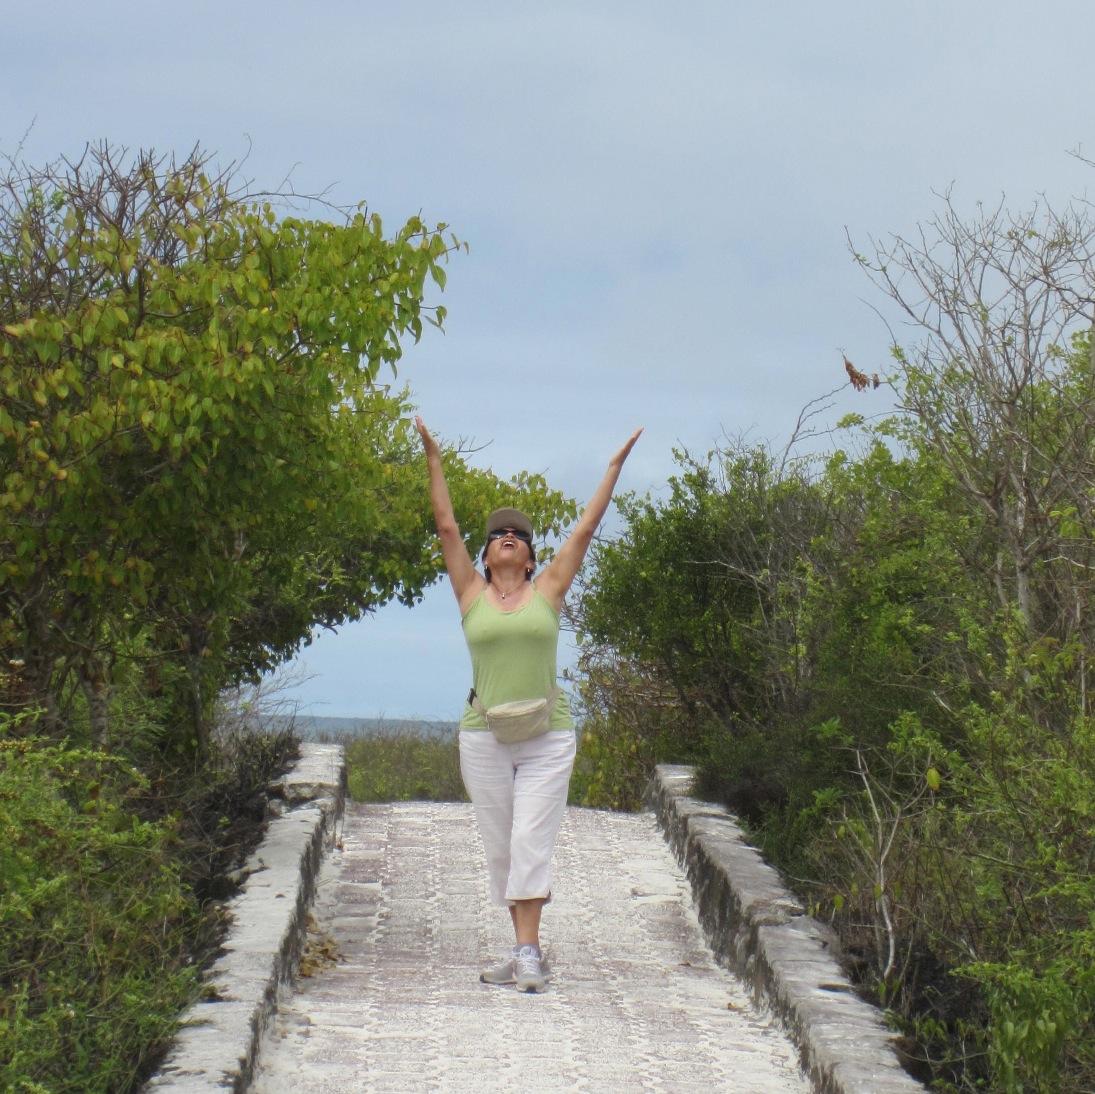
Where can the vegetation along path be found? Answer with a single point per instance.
(637, 1001)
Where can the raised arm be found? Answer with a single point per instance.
(462, 573)
(557, 578)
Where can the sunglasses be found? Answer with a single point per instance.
(501, 533)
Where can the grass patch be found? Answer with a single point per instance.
(400, 767)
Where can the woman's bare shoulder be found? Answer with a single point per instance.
(475, 589)
(553, 599)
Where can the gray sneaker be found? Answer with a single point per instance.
(505, 972)
(502, 973)
(529, 969)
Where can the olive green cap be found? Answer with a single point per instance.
(509, 518)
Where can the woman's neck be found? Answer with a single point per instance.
(508, 582)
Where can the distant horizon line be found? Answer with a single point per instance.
(375, 718)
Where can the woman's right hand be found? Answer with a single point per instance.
(428, 443)
(618, 459)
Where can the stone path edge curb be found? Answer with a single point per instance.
(760, 930)
(217, 1046)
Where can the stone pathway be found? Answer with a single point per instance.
(637, 1002)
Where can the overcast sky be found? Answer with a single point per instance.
(655, 199)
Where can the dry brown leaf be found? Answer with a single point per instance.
(859, 380)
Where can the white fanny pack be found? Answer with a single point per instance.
(518, 721)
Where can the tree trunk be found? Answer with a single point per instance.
(38, 687)
(198, 723)
(96, 689)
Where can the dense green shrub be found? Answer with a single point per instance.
(218, 804)
(95, 922)
(629, 723)
(915, 759)
(886, 654)
(107, 903)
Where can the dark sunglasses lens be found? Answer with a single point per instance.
(501, 533)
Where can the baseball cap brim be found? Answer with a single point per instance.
(509, 518)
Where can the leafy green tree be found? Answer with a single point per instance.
(196, 444)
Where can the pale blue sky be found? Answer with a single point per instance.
(655, 198)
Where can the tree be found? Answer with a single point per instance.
(889, 655)
(1003, 388)
(694, 585)
(198, 458)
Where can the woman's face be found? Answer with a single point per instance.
(508, 543)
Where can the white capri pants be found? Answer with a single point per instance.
(519, 792)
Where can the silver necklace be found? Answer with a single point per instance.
(503, 595)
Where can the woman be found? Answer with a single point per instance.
(511, 624)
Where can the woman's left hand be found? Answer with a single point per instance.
(618, 459)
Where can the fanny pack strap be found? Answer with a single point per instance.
(476, 703)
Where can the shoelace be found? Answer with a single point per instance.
(526, 962)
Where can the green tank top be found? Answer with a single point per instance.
(513, 656)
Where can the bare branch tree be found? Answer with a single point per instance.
(1003, 386)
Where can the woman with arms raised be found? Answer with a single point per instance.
(516, 772)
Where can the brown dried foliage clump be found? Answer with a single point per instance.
(860, 380)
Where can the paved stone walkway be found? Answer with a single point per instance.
(637, 1001)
